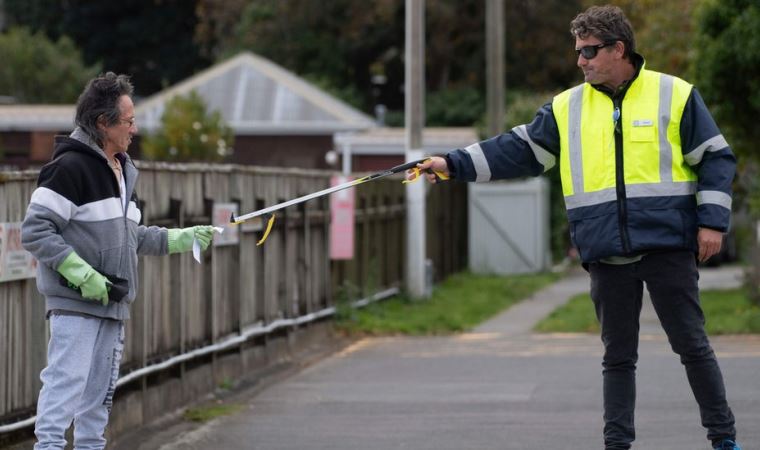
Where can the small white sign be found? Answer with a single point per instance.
(222, 213)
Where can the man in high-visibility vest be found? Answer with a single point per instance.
(646, 176)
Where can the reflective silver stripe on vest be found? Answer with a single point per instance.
(482, 171)
(660, 189)
(631, 191)
(666, 150)
(714, 198)
(542, 155)
(582, 199)
(574, 130)
(713, 144)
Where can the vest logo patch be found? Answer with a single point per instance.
(643, 123)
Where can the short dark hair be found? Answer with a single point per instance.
(101, 98)
(607, 23)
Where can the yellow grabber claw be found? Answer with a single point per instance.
(416, 171)
(270, 223)
(441, 176)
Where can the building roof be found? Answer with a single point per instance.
(37, 117)
(256, 96)
(392, 141)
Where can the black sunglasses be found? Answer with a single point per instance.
(590, 51)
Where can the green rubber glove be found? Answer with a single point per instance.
(91, 284)
(181, 239)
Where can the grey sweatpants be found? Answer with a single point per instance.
(79, 381)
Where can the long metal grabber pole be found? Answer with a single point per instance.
(267, 214)
(340, 187)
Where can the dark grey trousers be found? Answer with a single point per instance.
(671, 279)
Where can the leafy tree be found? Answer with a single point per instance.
(539, 46)
(37, 70)
(36, 14)
(461, 106)
(189, 133)
(458, 106)
(151, 40)
(727, 68)
(666, 38)
(664, 31)
(216, 18)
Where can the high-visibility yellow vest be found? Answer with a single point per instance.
(650, 117)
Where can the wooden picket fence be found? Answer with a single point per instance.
(183, 306)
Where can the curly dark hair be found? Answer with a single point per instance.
(100, 98)
(607, 23)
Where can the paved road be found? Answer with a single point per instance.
(497, 387)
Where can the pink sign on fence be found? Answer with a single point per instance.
(342, 220)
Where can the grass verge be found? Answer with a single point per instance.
(726, 312)
(209, 412)
(575, 316)
(458, 304)
(730, 312)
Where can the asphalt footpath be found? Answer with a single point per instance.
(500, 386)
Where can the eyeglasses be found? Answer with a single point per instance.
(130, 122)
(590, 51)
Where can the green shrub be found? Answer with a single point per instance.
(37, 70)
(189, 133)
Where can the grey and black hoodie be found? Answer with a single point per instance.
(77, 207)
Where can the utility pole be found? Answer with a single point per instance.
(495, 65)
(414, 118)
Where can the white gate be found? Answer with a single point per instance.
(509, 226)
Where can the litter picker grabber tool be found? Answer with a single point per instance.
(267, 214)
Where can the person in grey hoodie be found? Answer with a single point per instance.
(83, 226)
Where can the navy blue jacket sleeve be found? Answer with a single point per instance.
(526, 150)
(707, 152)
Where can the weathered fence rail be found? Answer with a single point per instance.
(183, 306)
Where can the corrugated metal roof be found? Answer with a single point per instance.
(392, 141)
(256, 96)
(37, 117)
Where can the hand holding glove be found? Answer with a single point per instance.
(91, 284)
(181, 239)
